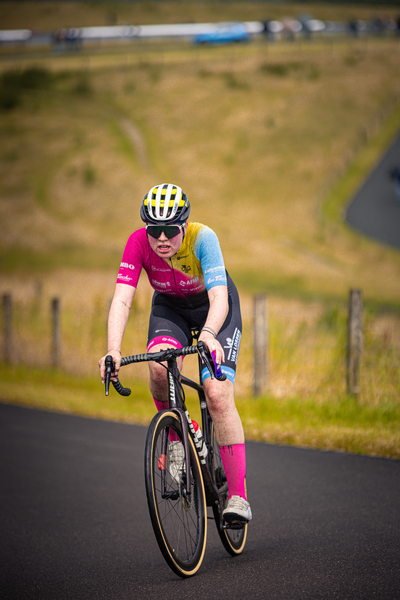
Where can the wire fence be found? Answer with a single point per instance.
(289, 347)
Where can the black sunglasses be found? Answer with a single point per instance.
(169, 230)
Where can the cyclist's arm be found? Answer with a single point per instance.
(117, 322)
(218, 311)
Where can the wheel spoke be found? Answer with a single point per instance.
(180, 525)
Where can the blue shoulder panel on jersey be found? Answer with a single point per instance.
(208, 251)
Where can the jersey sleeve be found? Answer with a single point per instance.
(132, 259)
(208, 251)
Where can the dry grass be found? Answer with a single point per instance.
(307, 341)
(255, 135)
(263, 154)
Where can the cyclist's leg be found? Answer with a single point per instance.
(221, 402)
(167, 329)
(233, 538)
(229, 433)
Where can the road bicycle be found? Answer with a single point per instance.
(178, 494)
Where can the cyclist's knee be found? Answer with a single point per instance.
(158, 374)
(219, 395)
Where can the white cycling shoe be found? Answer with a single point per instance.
(237, 510)
(176, 458)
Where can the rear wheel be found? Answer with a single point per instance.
(233, 540)
(177, 511)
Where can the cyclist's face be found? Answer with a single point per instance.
(164, 247)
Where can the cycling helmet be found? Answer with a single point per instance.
(165, 204)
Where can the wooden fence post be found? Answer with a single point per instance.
(56, 335)
(260, 344)
(7, 310)
(354, 341)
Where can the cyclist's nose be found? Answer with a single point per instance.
(162, 237)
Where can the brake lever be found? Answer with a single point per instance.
(219, 375)
(201, 350)
(109, 369)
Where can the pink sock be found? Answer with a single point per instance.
(160, 405)
(234, 461)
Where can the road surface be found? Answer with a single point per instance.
(74, 520)
(375, 210)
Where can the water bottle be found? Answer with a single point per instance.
(199, 440)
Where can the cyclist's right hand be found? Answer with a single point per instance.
(116, 356)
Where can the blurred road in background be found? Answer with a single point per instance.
(375, 209)
(75, 524)
(274, 30)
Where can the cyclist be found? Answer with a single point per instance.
(192, 289)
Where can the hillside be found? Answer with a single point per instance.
(255, 135)
(269, 140)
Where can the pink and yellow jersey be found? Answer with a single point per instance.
(188, 275)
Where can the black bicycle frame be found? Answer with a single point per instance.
(177, 405)
(212, 493)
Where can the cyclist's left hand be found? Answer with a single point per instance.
(213, 345)
(116, 354)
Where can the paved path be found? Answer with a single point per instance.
(74, 520)
(374, 210)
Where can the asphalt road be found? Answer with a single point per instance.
(375, 210)
(74, 520)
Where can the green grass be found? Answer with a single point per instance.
(340, 425)
(268, 140)
(364, 161)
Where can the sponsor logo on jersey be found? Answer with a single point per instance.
(162, 284)
(190, 281)
(232, 346)
(153, 268)
(214, 269)
(124, 277)
(127, 266)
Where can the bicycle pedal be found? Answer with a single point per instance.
(234, 525)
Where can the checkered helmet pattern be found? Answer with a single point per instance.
(165, 204)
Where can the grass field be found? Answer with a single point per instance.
(262, 156)
(340, 425)
(270, 141)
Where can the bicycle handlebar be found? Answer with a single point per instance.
(163, 355)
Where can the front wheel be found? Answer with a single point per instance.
(233, 540)
(177, 511)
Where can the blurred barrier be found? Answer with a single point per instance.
(273, 30)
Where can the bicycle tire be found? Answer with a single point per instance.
(233, 540)
(179, 521)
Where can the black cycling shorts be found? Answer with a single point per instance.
(173, 325)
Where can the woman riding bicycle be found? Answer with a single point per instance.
(184, 264)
